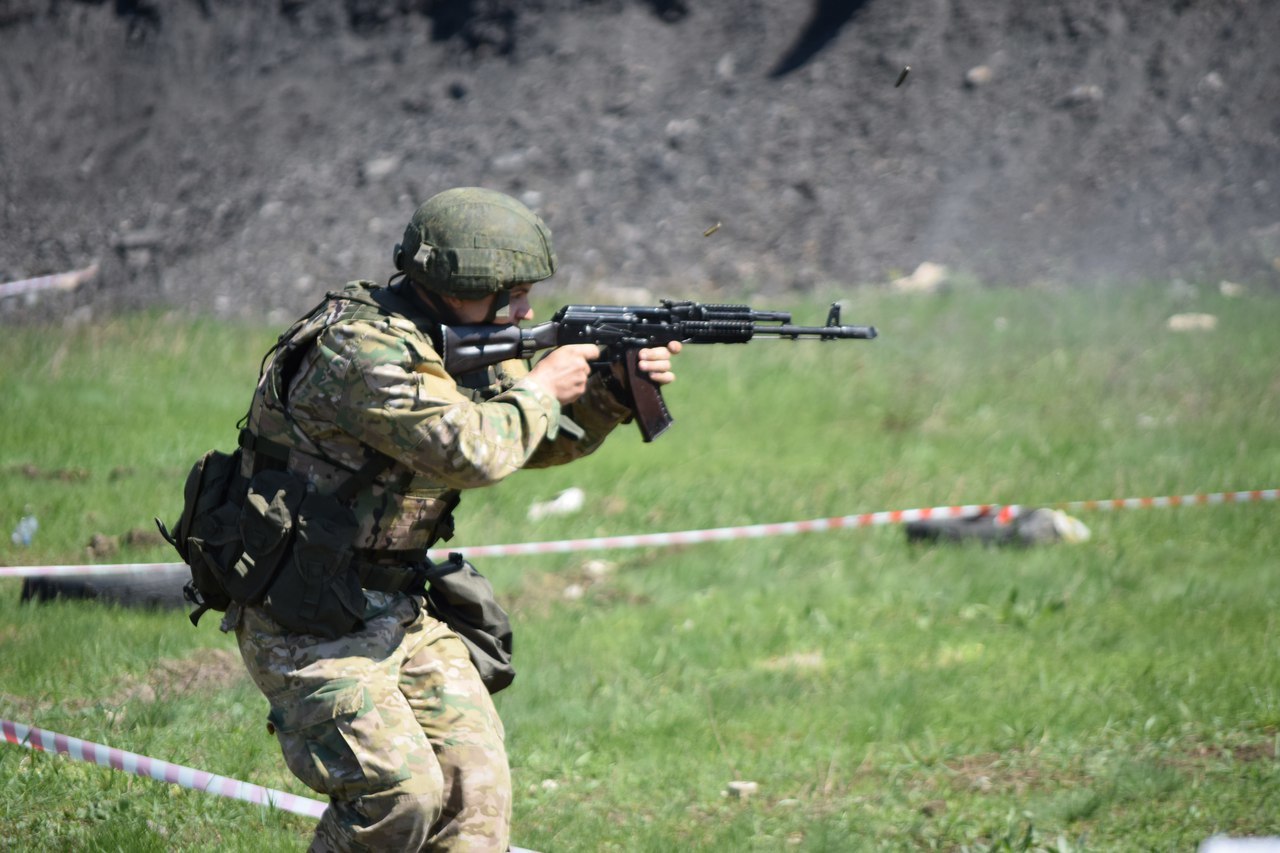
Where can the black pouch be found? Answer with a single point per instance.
(316, 590)
(267, 529)
(463, 599)
(207, 532)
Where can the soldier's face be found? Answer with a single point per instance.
(518, 308)
(471, 311)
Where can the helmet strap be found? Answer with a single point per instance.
(501, 300)
(429, 302)
(498, 301)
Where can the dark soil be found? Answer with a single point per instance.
(240, 157)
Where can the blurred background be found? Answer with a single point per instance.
(239, 158)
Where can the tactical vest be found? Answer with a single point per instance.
(395, 514)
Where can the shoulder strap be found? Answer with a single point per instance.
(276, 455)
(291, 347)
(364, 477)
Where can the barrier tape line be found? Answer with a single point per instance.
(98, 569)
(56, 281)
(1213, 499)
(1003, 513)
(725, 534)
(154, 768)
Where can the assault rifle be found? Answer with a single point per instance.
(622, 331)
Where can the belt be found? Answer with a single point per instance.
(267, 454)
(392, 571)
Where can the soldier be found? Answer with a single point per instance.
(375, 702)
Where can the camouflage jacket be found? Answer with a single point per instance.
(358, 372)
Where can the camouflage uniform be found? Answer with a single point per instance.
(392, 721)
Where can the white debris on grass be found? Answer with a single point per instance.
(1192, 322)
(565, 503)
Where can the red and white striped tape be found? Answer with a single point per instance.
(99, 569)
(725, 534)
(1212, 499)
(154, 768)
(1003, 513)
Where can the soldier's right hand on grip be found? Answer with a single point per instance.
(563, 373)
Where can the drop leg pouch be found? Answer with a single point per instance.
(464, 600)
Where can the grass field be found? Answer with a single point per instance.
(1120, 694)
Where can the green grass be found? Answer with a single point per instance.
(1114, 695)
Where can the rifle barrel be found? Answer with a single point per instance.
(865, 333)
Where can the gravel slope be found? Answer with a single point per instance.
(242, 157)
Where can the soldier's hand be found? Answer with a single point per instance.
(563, 372)
(657, 362)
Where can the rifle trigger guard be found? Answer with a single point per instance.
(571, 428)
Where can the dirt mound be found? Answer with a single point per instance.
(240, 158)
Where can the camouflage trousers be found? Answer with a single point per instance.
(393, 724)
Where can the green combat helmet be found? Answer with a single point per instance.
(469, 242)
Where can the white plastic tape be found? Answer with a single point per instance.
(1002, 512)
(154, 768)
